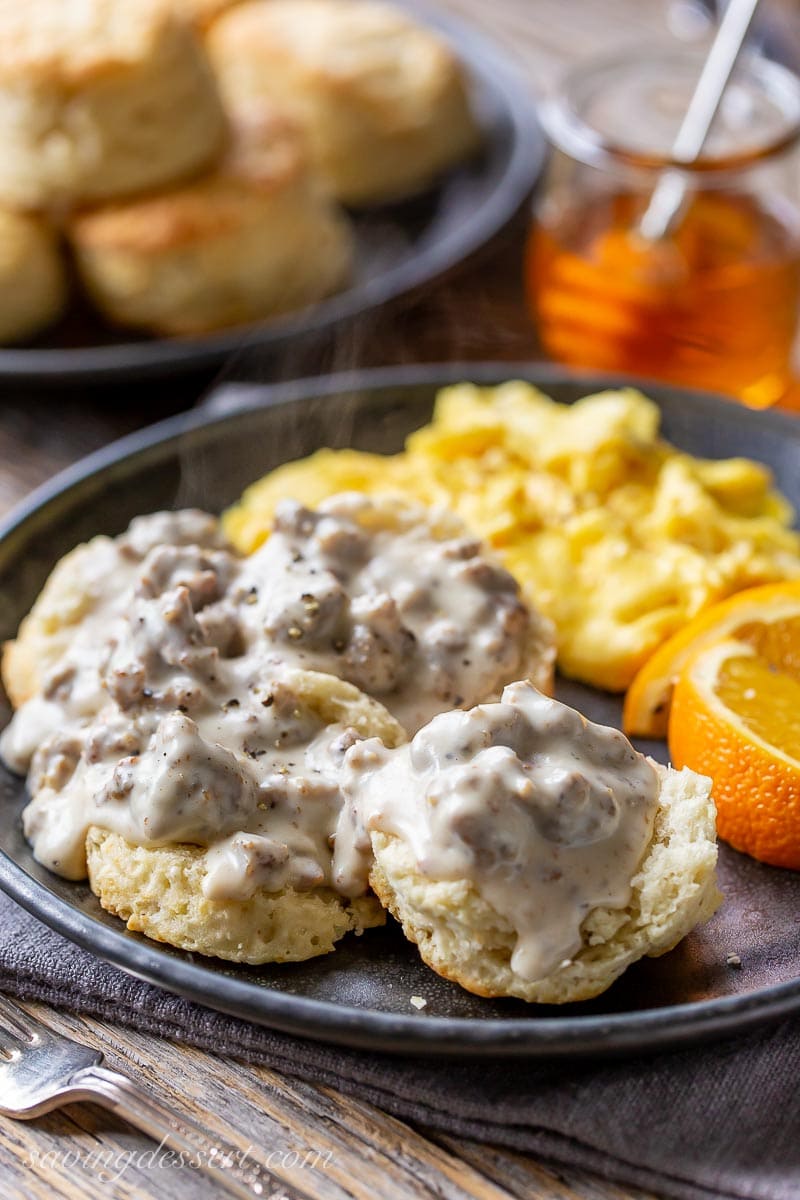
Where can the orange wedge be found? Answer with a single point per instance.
(767, 618)
(735, 717)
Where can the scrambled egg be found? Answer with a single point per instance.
(616, 535)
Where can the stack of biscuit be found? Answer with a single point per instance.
(190, 156)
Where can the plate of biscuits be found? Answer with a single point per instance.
(185, 179)
(317, 717)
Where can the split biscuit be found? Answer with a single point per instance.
(382, 101)
(464, 939)
(90, 582)
(400, 600)
(529, 852)
(158, 891)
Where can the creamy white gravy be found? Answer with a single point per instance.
(546, 814)
(398, 600)
(108, 569)
(173, 715)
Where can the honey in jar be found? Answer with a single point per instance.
(713, 304)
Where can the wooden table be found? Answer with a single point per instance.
(359, 1151)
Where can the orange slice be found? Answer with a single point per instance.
(736, 717)
(768, 618)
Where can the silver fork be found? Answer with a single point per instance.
(41, 1070)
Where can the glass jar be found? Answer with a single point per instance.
(713, 303)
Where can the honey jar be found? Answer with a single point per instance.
(713, 303)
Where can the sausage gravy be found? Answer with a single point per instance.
(546, 814)
(174, 713)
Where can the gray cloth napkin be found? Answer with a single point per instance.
(722, 1121)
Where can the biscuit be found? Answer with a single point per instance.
(463, 938)
(33, 287)
(88, 582)
(158, 891)
(400, 600)
(101, 99)
(75, 588)
(337, 702)
(250, 240)
(201, 12)
(382, 101)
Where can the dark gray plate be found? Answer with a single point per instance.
(360, 994)
(399, 248)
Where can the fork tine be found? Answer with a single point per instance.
(18, 1023)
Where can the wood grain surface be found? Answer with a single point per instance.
(322, 1145)
(319, 1144)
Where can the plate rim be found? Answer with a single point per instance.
(569, 1036)
(128, 360)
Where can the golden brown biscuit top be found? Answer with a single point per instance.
(70, 41)
(266, 148)
(203, 12)
(370, 45)
(264, 159)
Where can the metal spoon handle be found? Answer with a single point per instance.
(669, 193)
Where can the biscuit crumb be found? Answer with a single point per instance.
(418, 1002)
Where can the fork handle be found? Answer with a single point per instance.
(224, 1162)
